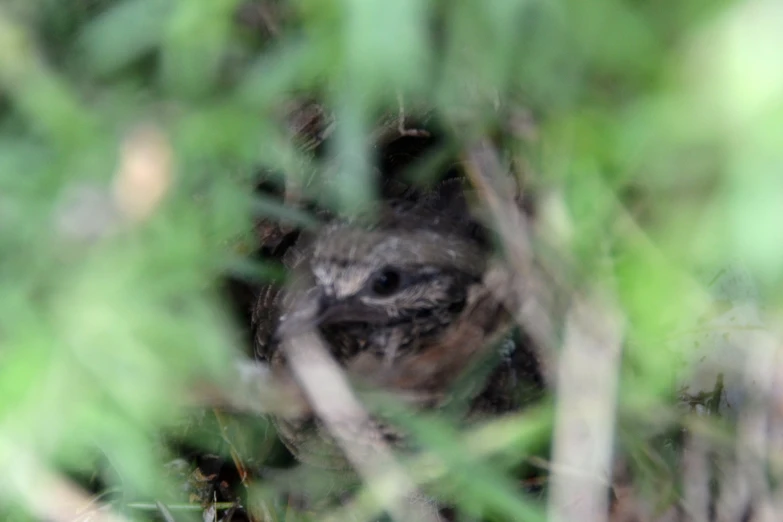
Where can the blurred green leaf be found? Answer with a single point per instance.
(37, 92)
(195, 45)
(385, 46)
(124, 33)
(653, 129)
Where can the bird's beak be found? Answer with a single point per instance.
(348, 310)
(321, 310)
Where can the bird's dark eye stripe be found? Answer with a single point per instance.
(415, 278)
(418, 278)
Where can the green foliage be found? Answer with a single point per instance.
(658, 123)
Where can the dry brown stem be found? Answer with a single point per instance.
(335, 404)
(531, 302)
(585, 410)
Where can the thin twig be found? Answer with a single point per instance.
(532, 300)
(335, 404)
(164, 511)
(775, 438)
(696, 478)
(152, 506)
(748, 482)
(235, 455)
(585, 412)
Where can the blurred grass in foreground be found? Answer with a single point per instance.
(658, 131)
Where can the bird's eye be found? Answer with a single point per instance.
(386, 283)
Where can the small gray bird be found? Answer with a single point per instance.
(392, 295)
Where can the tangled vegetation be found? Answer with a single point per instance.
(150, 150)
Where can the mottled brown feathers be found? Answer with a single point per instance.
(398, 296)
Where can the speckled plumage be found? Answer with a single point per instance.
(434, 255)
